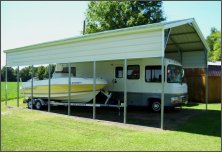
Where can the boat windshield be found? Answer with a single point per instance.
(174, 74)
(65, 72)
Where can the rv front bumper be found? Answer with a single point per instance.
(179, 100)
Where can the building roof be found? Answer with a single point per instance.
(216, 63)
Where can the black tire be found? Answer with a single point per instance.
(155, 106)
(29, 104)
(38, 105)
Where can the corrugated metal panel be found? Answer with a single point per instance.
(194, 59)
(135, 42)
(182, 29)
(174, 56)
(186, 39)
(140, 45)
(189, 59)
(185, 47)
(192, 46)
(171, 48)
(93, 36)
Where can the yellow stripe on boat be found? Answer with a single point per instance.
(63, 88)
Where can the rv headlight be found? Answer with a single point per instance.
(174, 99)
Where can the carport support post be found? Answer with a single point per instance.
(162, 93)
(69, 89)
(32, 86)
(18, 86)
(94, 89)
(125, 92)
(6, 85)
(49, 72)
(206, 80)
(206, 87)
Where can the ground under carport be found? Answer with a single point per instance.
(135, 115)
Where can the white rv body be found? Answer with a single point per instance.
(139, 92)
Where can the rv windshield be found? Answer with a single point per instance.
(174, 74)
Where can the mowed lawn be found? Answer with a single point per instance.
(24, 129)
(11, 91)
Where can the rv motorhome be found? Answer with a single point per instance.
(143, 80)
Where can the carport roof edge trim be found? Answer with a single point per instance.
(135, 29)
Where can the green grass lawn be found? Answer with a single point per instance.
(24, 129)
(11, 91)
(207, 122)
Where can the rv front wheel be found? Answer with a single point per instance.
(156, 106)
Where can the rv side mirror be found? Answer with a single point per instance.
(182, 73)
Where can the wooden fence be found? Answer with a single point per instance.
(195, 79)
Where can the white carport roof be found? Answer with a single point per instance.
(181, 40)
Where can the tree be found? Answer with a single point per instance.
(214, 42)
(11, 75)
(40, 72)
(25, 73)
(46, 74)
(109, 15)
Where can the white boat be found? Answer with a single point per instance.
(81, 88)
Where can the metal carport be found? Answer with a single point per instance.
(181, 40)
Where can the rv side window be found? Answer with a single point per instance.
(119, 72)
(153, 73)
(66, 70)
(133, 72)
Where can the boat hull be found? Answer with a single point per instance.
(80, 92)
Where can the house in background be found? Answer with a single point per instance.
(195, 79)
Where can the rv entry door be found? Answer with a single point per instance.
(118, 78)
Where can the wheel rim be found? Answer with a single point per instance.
(156, 106)
(38, 105)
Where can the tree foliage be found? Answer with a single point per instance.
(40, 72)
(214, 42)
(46, 74)
(11, 75)
(109, 15)
(25, 73)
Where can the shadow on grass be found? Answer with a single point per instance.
(185, 120)
(202, 122)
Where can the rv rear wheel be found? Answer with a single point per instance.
(156, 106)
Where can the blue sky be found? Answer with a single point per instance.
(25, 23)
